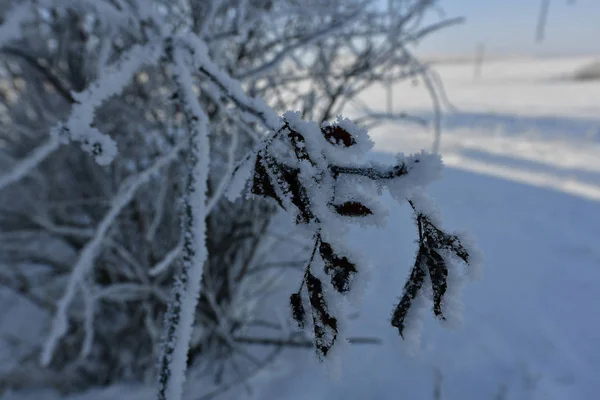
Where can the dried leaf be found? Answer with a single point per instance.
(261, 183)
(337, 135)
(299, 196)
(325, 325)
(298, 144)
(298, 312)
(352, 209)
(338, 267)
(411, 289)
(438, 272)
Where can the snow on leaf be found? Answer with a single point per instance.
(412, 287)
(325, 325)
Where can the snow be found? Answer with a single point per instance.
(528, 326)
(179, 321)
(524, 87)
(522, 176)
(230, 86)
(112, 82)
(32, 160)
(167, 260)
(87, 257)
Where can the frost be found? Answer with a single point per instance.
(452, 305)
(424, 204)
(112, 82)
(229, 86)
(414, 324)
(186, 292)
(239, 180)
(476, 259)
(26, 165)
(86, 259)
(167, 260)
(315, 174)
(223, 186)
(422, 169)
(340, 153)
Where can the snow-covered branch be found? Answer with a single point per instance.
(88, 255)
(79, 127)
(27, 164)
(342, 22)
(229, 86)
(322, 194)
(186, 291)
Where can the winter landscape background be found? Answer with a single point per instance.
(521, 145)
(523, 176)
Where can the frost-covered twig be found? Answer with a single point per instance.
(334, 28)
(89, 304)
(63, 230)
(79, 127)
(186, 291)
(229, 168)
(211, 8)
(26, 165)
(160, 209)
(230, 87)
(322, 185)
(88, 254)
(167, 260)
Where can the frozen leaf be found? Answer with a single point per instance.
(438, 272)
(325, 325)
(352, 209)
(335, 134)
(261, 183)
(338, 267)
(411, 289)
(298, 312)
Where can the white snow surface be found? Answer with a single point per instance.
(522, 176)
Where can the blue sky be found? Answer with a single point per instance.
(508, 26)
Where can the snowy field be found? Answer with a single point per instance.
(523, 177)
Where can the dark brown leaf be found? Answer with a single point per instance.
(352, 209)
(438, 272)
(261, 183)
(299, 196)
(298, 312)
(339, 268)
(411, 289)
(325, 325)
(298, 144)
(337, 135)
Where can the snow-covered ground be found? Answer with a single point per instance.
(523, 177)
(527, 87)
